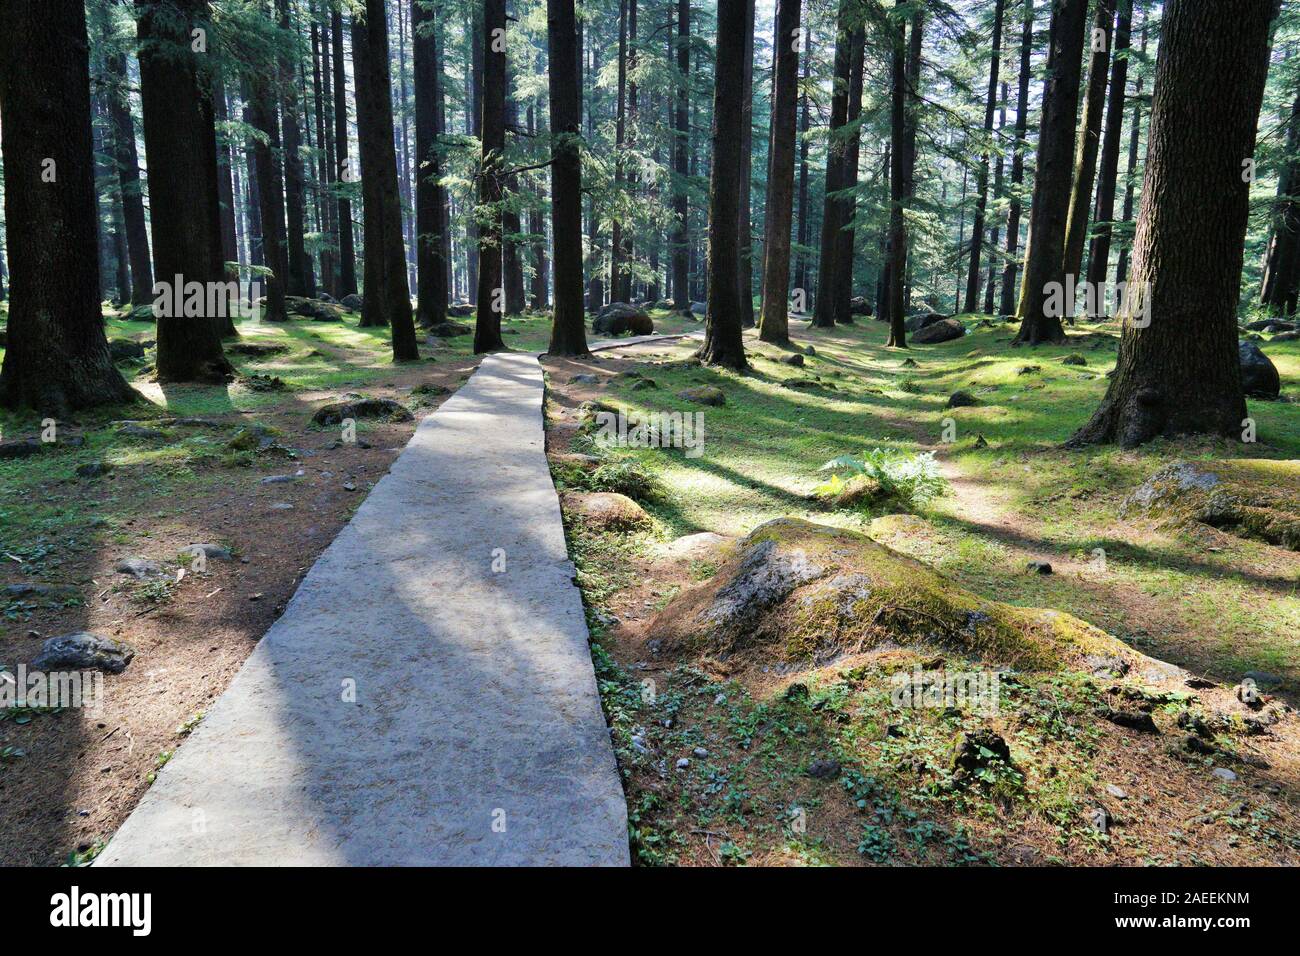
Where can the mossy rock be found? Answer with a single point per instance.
(807, 592)
(704, 395)
(605, 510)
(1250, 497)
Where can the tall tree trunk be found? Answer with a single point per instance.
(568, 332)
(617, 253)
(681, 146)
(226, 196)
(537, 231)
(723, 344)
(1179, 373)
(774, 324)
(128, 173)
(996, 234)
(905, 71)
(301, 279)
(1130, 174)
(56, 357)
(512, 261)
(746, 225)
(474, 124)
(982, 177)
(844, 241)
(266, 168)
(1007, 304)
(1085, 161)
(1099, 250)
(832, 206)
(181, 145)
(347, 277)
(429, 199)
(1045, 249)
(1278, 287)
(491, 294)
(387, 299)
(801, 270)
(323, 98)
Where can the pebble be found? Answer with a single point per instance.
(1116, 792)
(720, 699)
(1223, 773)
(700, 752)
(683, 764)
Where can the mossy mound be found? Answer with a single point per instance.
(1250, 497)
(604, 510)
(810, 593)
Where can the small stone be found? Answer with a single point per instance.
(255, 597)
(584, 379)
(683, 764)
(961, 399)
(638, 744)
(1099, 819)
(1116, 792)
(139, 568)
(704, 395)
(809, 350)
(824, 769)
(1074, 359)
(1223, 773)
(84, 651)
(719, 700)
(700, 752)
(278, 479)
(94, 469)
(349, 486)
(211, 552)
(794, 359)
(1039, 567)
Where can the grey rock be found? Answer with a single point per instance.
(944, 330)
(584, 378)
(1039, 567)
(47, 592)
(765, 577)
(384, 408)
(210, 552)
(351, 302)
(823, 769)
(961, 399)
(84, 651)
(138, 567)
(794, 359)
(1223, 773)
(1259, 378)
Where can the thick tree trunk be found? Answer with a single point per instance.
(1179, 372)
(266, 168)
(774, 323)
(1278, 287)
(723, 344)
(429, 198)
(982, 177)
(180, 142)
(128, 173)
(56, 358)
(301, 279)
(681, 145)
(905, 85)
(347, 277)
(491, 294)
(832, 204)
(1099, 250)
(1049, 210)
(844, 241)
(746, 225)
(1007, 304)
(568, 331)
(1085, 161)
(387, 299)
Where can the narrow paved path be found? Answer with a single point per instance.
(414, 704)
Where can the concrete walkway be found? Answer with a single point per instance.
(475, 734)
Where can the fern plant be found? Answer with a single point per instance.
(911, 480)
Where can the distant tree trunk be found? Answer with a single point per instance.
(266, 168)
(56, 358)
(1130, 175)
(982, 177)
(537, 230)
(429, 198)
(128, 173)
(774, 324)
(723, 344)
(905, 71)
(1048, 212)
(1179, 373)
(1007, 305)
(491, 295)
(512, 262)
(568, 332)
(347, 278)
(474, 122)
(1085, 161)
(324, 98)
(387, 299)
(991, 286)
(1279, 280)
(616, 250)
(833, 206)
(301, 280)
(226, 196)
(801, 270)
(180, 142)
(681, 146)
(1099, 250)
(746, 226)
(844, 241)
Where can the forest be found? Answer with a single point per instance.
(797, 432)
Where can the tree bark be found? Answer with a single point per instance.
(1130, 173)
(429, 198)
(1179, 373)
(844, 240)
(982, 177)
(1099, 250)
(387, 299)
(56, 358)
(1085, 162)
(568, 331)
(832, 204)
(905, 84)
(801, 270)
(746, 225)
(181, 145)
(491, 294)
(301, 279)
(266, 169)
(347, 277)
(128, 172)
(512, 260)
(681, 145)
(1048, 212)
(774, 323)
(723, 344)
(1007, 305)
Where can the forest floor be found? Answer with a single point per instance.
(1219, 605)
